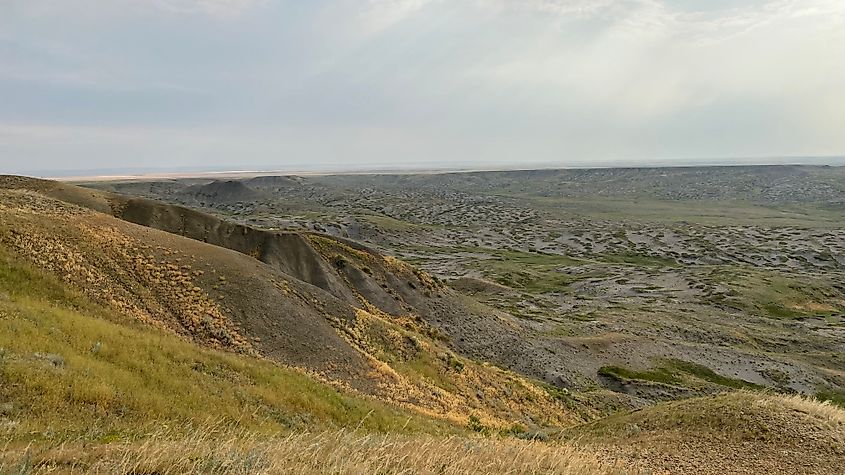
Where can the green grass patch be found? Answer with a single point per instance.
(776, 295)
(657, 375)
(675, 372)
(777, 310)
(533, 272)
(832, 396)
(637, 260)
(707, 374)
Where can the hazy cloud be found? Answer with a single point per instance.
(207, 7)
(180, 82)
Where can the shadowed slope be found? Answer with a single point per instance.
(229, 191)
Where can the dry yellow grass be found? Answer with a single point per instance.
(824, 411)
(212, 451)
(417, 372)
(740, 432)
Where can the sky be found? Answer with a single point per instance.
(95, 85)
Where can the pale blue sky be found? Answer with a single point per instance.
(91, 84)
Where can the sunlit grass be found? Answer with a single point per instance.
(209, 450)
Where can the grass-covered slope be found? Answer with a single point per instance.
(85, 387)
(71, 366)
(738, 432)
(84, 391)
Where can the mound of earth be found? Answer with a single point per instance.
(222, 192)
(274, 183)
(473, 286)
(740, 432)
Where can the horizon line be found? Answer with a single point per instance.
(142, 173)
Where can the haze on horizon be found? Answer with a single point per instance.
(245, 84)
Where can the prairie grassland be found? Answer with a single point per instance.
(212, 451)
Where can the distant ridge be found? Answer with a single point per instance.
(433, 167)
(228, 191)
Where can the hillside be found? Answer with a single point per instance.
(84, 389)
(68, 359)
(91, 364)
(292, 304)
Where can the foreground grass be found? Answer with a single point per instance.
(736, 432)
(212, 451)
(84, 390)
(70, 368)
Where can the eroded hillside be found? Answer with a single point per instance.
(286, 297)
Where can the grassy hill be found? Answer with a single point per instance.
(84, 389)
(354, 328)
(72, 366)
(739, 432)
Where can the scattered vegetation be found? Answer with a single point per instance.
(674, 372)
(637, 259)
(783, 296)
(527, 271)
(659, 375)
